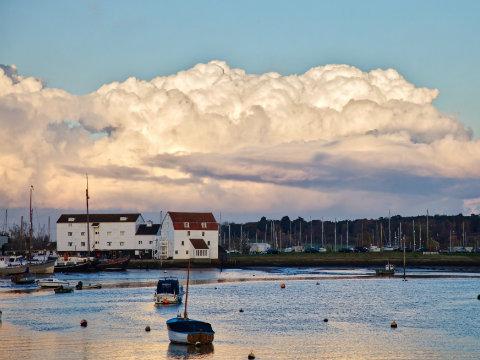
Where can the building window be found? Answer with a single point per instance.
(82, 243)
(151, 241)
(140, 241)
(186, 224)
(69, 225)
(109, 233)
(70, 244)
(183, 243)
(208, 242)
(109, 243)
(186, 252)
(176, 252)
(123, 218)
(97, 242)
(97, 232)
(70, 233)
(82, 233)
(204, 225)
(122, 232)
(122, 243)
(71, 219)
(203, 233)
(188, 233)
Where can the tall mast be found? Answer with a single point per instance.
(413, 233)
(88, 217)
(426, 241)
(49, 238)
(335, 236)
(185, 314)
(323, 234)
(311, 232)
(30, 235)
(389, 231)
(347, 234)
(404, 257)
(21, 232)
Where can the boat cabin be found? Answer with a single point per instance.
(168, 286)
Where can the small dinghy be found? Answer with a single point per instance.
(63, 289)
(51, 283)
(389, 270)
(182, 330)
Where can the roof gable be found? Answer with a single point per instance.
(193, 220)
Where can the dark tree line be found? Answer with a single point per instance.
(442, 230)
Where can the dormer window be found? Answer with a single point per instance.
(186, 224)
(71, 219)
(204, 225)
(123, 218)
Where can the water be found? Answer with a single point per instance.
(437, 317)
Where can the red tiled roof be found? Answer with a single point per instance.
(199, 244)
(194, 220)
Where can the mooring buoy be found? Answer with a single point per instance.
(241, 310)
(83, 323)
(478, 297)
(147, 328)
(282, 285)
(325, 320)
(317, 283)
(251, 355)
(393, 325)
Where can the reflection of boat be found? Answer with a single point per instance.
(63, 289)
(89, 286)
(169, 291)
(23, 279)
(183, 330)
(51, 283)
(389, 270)
(112, 264)
(183, 351)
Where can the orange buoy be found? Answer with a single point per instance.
(282, 285)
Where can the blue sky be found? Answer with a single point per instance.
(80, 45)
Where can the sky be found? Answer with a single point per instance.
(334, 109)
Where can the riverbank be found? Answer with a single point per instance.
(322, 259)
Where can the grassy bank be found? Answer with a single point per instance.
(327, 259)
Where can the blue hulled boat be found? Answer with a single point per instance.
(182, 330)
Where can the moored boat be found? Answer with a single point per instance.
(182, 330)
(389, 270)
(117, 264)
(52, 283)
(169, 291)
(11, 265)
(23, 279)
(89, 286)
(74, 264)
(42, 267)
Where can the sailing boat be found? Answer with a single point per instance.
(182, 330)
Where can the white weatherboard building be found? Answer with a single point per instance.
(127, 234)
(188, 235)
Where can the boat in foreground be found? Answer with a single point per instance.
(51, 283)
(169, 291)
(182, 330)
(389, 270)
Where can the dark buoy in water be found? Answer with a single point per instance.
(83, 323)
(393, 325)
(325, 320)
(215, 288)
(282, 285)
(478, 297)
(147, 328)
(253, 275)
(251, 355)
(317, 283)
(241, 310)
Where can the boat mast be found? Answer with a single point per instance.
(185, 314)
(323, 234)
(30, 235)
(335, 236)
(88, 217)
(404, 258)
(389, 231)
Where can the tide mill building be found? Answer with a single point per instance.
(181, 235)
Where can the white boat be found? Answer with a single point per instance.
(52, 283)
(11, 265)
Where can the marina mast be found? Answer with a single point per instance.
(88, 217)
(30, 235)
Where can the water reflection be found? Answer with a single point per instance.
(178, 351)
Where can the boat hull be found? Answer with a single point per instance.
(119, 264)
(82, 267)
(47, 267)
(51, 284)
(167, 299)
(383, 272)
(190, 338)
(13, 270)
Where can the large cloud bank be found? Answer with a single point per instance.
(334, 140)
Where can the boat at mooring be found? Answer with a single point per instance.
(51, 283)
(182, 330)
(169, 291)
(388, 270)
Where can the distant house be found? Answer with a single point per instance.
(189, 235)
(126, 234)
(259, 248)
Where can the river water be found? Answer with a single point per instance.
(438, 317)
